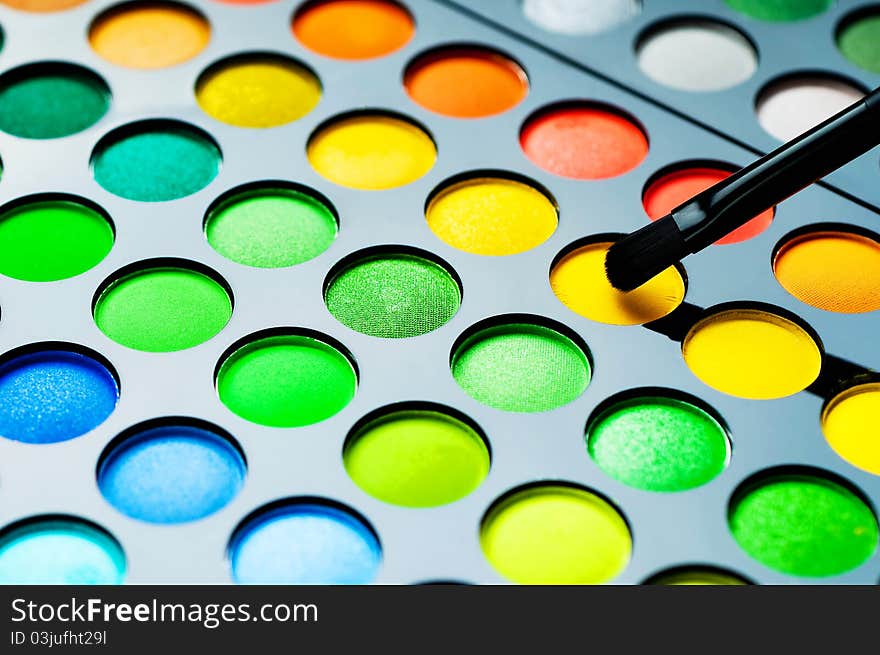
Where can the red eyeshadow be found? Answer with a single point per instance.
(585, 143)
(668, 191)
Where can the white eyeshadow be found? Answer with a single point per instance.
(575, 17)
(793, 105)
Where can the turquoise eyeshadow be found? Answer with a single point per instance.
(60, 551)
(171, 474)
(305, 543)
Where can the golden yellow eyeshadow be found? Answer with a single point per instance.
(851, 424)
(751, 353)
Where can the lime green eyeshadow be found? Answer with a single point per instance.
(286, 381)
(47, 101)
(658, 444)
(163, 309)
(555, 534)
(417, 458)
(47, 240)
(859, 41)
(697, 577)
(154, 162)
(803, 525)
(521, 368)
(271, 228)
(393, 296)
(780, 11)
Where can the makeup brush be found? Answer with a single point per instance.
(722, 208)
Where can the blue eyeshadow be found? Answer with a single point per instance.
(60, 551)
(54, 395)
(171, 473)
(305, 543)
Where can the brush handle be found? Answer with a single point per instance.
(722, 208)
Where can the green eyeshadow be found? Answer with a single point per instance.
(521, 368)
(286, 381)
(780, 11)
(859, 41)
(163, 309)
(154, 161)
(393, 295)
(52, 239)
(658, 444)
(803, 525)
(417, 458)
(270, 227)
(51, 100)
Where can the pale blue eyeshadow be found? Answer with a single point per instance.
(305, 544)
(54, 395)
(60, 551)
(171, 474)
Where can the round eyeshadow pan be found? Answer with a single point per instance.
(416, 458)
(162, 309)
(577, 17)
(751, 353)
(793, 104)
(803, 525)
(149, 35)
(780, 11)
(583, 141)
(465, 82)
(578, 279)
(371, 151)
(43, 239)
(155, 161)
(258, 91)
(51, 100)
(171, 473)
(393, 295)
(59, 551)
(859, 40)
(53, 395)
(849, 422)
(669, 190)
(555, 534)
(286, 381)
(694, 576)
(834, 270)
(696, 55)
(658, 443)
(270, 227)
(521, 367)
(40, 6)
(353, 29)
(491, 216)
(305, 543)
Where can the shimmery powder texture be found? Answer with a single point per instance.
(521, 368)
(658, 444)
(171, 474)
(52, 396)
(156, 163)
(859, 41)
(804, 526)
(49, 101)
(305, 544)
(393, 296)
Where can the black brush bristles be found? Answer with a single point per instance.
(639, 256)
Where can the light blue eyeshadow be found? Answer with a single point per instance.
(171, 474)
(54, 395)
(60, 551)
(305, 543)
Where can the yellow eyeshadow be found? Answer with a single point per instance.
(579, 281)
(850, 423)
(492, 216)
(262, 92)
(154, 35)
(371, 152)
(750, 353)
(698, 577)
(554, 534)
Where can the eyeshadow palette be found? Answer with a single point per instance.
(314, 293)
(757, 71)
